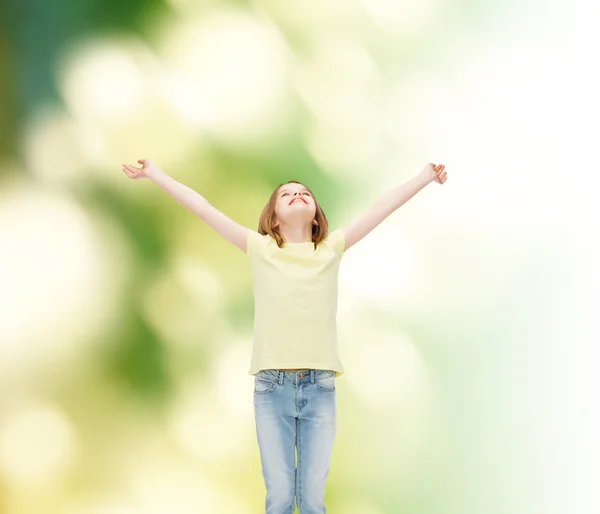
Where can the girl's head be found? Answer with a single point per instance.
(293, 205)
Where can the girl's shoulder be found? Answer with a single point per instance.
(336, 241)
(255, 241)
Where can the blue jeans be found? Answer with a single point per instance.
(295, 409)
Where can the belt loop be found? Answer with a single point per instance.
(312, 376)
(280, 376)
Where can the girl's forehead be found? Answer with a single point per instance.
(292, 187)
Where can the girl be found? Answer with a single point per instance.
(295, 262)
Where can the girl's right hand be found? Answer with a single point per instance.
(143, 172)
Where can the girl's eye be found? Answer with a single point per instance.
(305, 192)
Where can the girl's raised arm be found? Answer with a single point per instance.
(390, 201)
(193, 201)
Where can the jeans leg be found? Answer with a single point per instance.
(276, 433)
(316, 432)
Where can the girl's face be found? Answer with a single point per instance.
(294, 205)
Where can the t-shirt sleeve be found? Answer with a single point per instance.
(337, 241)
(255, 242)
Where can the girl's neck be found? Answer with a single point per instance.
(291, 235)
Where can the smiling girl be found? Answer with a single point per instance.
(295, 262)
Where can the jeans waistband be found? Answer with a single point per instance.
(277, 375)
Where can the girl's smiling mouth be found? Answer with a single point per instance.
(298, 199)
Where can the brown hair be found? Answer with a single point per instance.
(265, 223)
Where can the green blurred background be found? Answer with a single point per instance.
(126, 323)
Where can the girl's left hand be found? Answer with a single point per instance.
(435, 172)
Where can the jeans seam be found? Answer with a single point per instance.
(294, 497)
(299, 474)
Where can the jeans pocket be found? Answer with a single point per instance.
(326, 384)
(263, 386)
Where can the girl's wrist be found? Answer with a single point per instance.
(426, 176)
(152, 172)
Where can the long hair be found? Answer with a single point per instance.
(265, 223)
